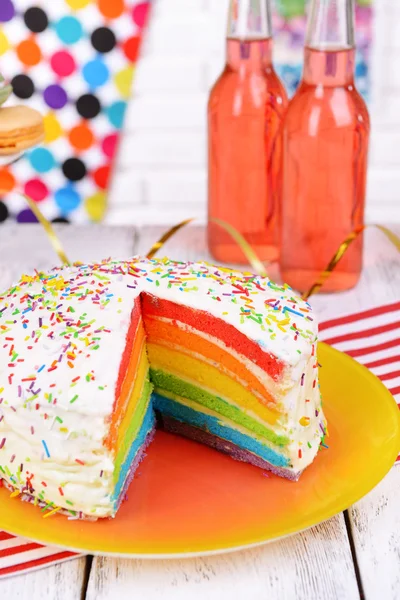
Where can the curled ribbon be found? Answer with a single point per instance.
(245, 247)
(51, 234)
(344, 246)
(258, 265)
(165, 237)
(248, 251)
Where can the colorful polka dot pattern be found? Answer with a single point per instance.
(73, 60)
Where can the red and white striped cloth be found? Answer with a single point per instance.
(371, 337)
(19, 555)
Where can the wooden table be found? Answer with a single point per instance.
(354, 555)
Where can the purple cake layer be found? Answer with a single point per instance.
(204, 437)
(135, 464)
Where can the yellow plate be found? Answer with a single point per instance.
(189, 499)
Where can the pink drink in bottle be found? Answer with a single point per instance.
(325, 150)
(245, 112)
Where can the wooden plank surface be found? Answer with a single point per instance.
(26, 247)
(58, 582)
(315, 564)
(375, 528)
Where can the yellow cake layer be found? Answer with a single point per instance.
(186, 339)
(208, 377)
(137, 353)
(136, 393)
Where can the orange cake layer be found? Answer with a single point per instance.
(207, 323)
(209, 378)
(135, 346)
(166, 333)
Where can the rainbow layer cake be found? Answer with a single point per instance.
(94, 357)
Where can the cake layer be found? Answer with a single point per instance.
(171, 383)
(131, 460)
(177, 335)
(208, 323)
(223, 421)
(209, 378)
(134, 339)
(130, 393)
(132, 423)
(204, 437)
(186, 413)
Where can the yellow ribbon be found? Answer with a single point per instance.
(247, 250)
(245, 247)
(165, 237)
(258, 266)
(344, 246)
(51, 234)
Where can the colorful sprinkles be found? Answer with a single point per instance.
(62, 318)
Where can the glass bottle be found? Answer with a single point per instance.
(245, 112)
(325, 139)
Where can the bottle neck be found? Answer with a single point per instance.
(330, 47)
(329, 68)
(331, 25)
(246, 56)
(249, 36)
(249, 20)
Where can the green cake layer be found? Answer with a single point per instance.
(175, 385)
(134, 426)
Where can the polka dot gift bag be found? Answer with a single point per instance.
(73, 60)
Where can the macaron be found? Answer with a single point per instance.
(21, 127)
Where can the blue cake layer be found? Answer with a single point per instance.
(213, 425)
(148, 424)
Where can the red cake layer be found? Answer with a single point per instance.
(127, 372)
(130, 340)
(166, 334)
(207, 323)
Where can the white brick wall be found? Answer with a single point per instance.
(161, 173)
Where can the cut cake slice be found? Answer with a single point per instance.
(91, 353)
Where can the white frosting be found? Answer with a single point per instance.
(63, 333)
(276, 389)
(306, 422)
